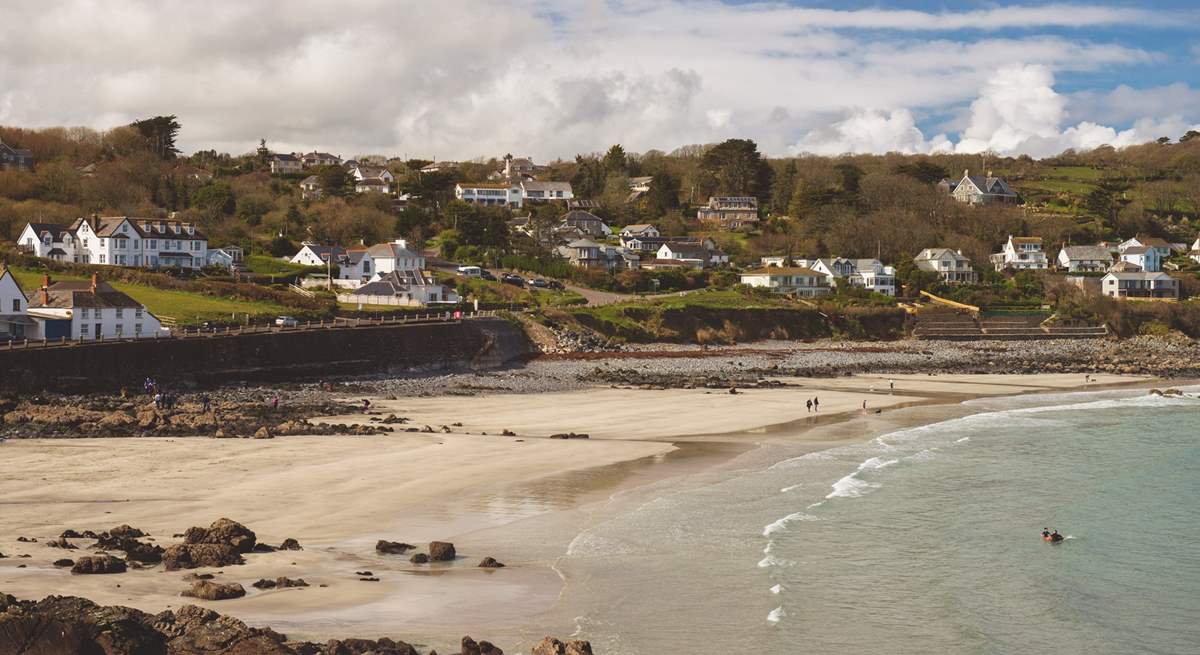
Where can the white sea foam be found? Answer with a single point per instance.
(853, 487)
(922, 456)
(781, 524)
(776, 615)
(818, 456)
(791, 488)
(776, 589)
(963, 440)
(770, 560)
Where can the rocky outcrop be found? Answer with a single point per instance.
(192, 556)
(441, 551)
(490, 563)
(279, 583)
(419, 558)
(471, 647)
(223, 531)
(98, 564)
(552, 646)
(385, 547)
(290, 544)
(208, 590)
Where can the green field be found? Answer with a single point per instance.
(184, 306)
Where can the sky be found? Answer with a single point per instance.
(463, 79)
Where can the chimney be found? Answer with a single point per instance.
(402, 243)
(966, 172)
(95, 280)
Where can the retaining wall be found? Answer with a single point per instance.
(270, 357)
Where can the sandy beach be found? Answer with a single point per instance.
(520, 499)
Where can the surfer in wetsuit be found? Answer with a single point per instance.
(1046, 533)
(1055, 537)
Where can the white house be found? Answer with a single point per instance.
(691, 255)
(357, 264)
(372, 185)
(1162, 248)
(310, 187)
(832, 267)
(534, 191)
(1194, 253)
(118, 241)
(797, 280)
(488, 193)
(1084, 259)
(1147, 258)
(1139, 284)
(639, 230)
(311, 159)
(14, 309)
(315, 254)
(874, 276)
(402, 288)
(394, 256)
(1022, 254)
(90, 309)
(951, 265)
(362, 172)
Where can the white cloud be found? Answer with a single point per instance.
(470, 78)
(1017, 112)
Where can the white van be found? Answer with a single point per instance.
(470, 271)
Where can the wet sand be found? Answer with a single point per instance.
(519, 499)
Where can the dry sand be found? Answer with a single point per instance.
(518, 499)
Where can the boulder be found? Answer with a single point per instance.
(61, 542)
(70, 534)
(490, 563)
(207, 590)
(260, 547)
(96, 564)
(470, 647)
(64, 563)
(192, 556)
(392, 547)
(279, 583)
(290, 544)
(125, 531)
(419, 558)
(441, 551)
(383, 646)
(223, 531)
(65, 624)
(193, 630)
(552, 646)
(263, 433)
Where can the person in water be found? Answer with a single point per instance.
(1045, 533)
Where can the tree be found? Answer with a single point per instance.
(159, 133)
(334, 180)
(663, 195)
(923, 171)
(783, 187)
(251, 208)
(615, 161)
(215, 198)
(1188, 136)
(264, 154)
(735, 167)
(589, 178)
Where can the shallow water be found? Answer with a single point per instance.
(922, 540)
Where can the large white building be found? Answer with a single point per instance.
(1021, 254)
(796, 280)
(14, 309)
(952, 266)
(90, 309)
(118, 241)
(513, 194)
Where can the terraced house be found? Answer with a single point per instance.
(118, 241)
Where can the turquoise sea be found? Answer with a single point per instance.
(923, 540)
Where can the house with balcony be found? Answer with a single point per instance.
(729, 213)
(584, 253)
(1084, 259)
(1144, 285)
(792, 280)
(1160, 246)
(489, 193)
(535, 191)
(874, 276)
(1021, 254)
(313, 159)
(119, 241)
(952, 266)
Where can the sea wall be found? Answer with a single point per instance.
(706, 325)
(268, 357)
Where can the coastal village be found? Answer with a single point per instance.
(552, 243)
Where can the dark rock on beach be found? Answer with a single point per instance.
(98, 564)
(442, 551)
(392, 547)
(490, 563)
(207, 590)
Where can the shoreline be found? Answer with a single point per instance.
(535, 501)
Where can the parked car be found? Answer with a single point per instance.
(539, 283)
(286, 322)
(513, 279)
(470, 271)
(486, 274)
(555, 284)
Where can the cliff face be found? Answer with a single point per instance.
(725, 326)
(273, 357)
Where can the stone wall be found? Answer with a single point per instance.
(270, 357)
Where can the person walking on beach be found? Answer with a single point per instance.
(158, 401)
(864, 405)
(205, 402)
(816, 404)
(891, 385)
(809, 405)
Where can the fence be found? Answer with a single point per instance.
(335, 323)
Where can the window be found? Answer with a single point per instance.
(83, 313)
(120, 313)
(137, 328)
(102, 258)
(83, 328)
(119, 329)
(153, 243)
(16, 304)
(99, 330)
(137, 313)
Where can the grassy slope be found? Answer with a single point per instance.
(185, 307)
